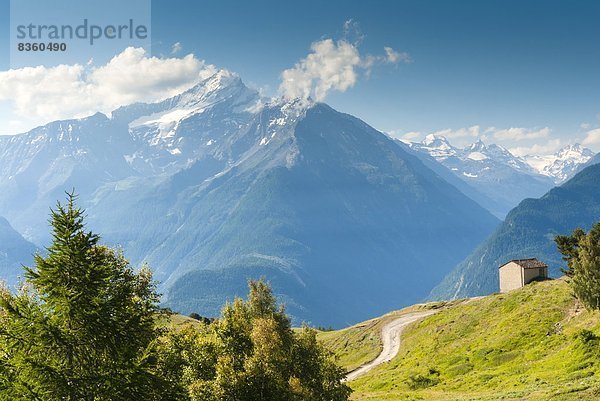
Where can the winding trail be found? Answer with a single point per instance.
(390, 336)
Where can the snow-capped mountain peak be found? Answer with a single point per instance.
(575, 152)
(478, 146)
(561, 165)
(476, 151)
(436, 141)
(437, 146)
(213, 89)
(502, 178)
(291, 108)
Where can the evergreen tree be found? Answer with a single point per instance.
(581, 251)
(568, 246)
(83, 325)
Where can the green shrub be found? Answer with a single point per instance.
(586, 336)
(420, 381)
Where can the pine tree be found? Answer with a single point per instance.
(582, 253)
(83, 325)
(568, 246)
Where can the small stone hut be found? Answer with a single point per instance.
(519, 272)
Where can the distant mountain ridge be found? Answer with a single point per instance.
(503, 179)
(497, 179)
(468, 188)
(563, 164)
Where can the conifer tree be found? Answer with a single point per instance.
(581, 251)
(83, 325)
(568, 246)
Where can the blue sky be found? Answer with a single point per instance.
(531, 65)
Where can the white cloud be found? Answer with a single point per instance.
(352, 32)
(133, 76)
(394, 57)
(585, 125)
(470, 132)
(592, 137)
(411, 136)
(548, 147)
(176, 48)
(519, 134)
(331, 66)
(41, 94)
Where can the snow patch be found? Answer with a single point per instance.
(477, 156)
(163, 118)
(277, 121)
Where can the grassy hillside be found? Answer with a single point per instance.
(536, 343)
(361, 343)
(176, 321)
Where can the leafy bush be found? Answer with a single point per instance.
(202, 319)
(586, 336)
(420, 381)
(323, 328)
(251, 353)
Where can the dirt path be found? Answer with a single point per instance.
(390, 336)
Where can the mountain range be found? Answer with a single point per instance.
(218, 185)
(496, 178)
(563, 164)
